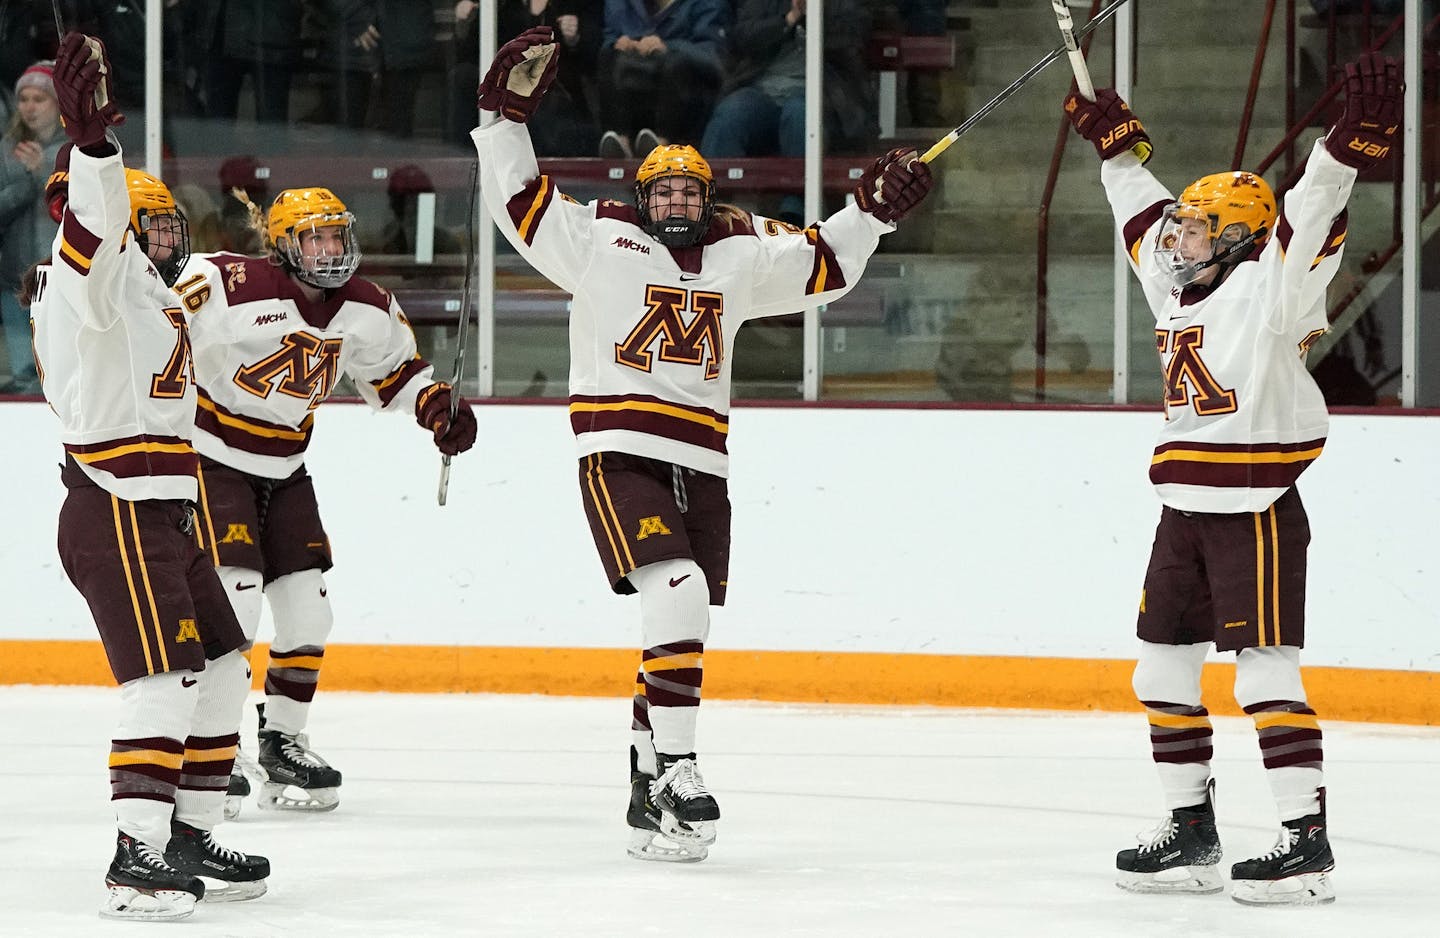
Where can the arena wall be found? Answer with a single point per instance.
(949, 557)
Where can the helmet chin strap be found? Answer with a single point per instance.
(1244, 243)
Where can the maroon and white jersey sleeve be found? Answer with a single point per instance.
(1138, 201)
(112, 348)
(266, 357)
(651, 327)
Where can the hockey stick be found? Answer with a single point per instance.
(944, 142)
(444, 491)
(1083, 84)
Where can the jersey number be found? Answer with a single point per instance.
(170, 383)
(1187, 380)
(679, 343)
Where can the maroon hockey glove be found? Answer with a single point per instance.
(1366, 129)
(82, 89)
(1108, 123)
(895, 184)
(432, 411)
(523, 70)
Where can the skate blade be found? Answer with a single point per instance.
(277, 796)
(693, 833)
(652, 845)
(1182, 880)
(1305, 889)
(223, 890)
(127, 903)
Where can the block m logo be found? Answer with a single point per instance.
(305, 367)
(679, 343)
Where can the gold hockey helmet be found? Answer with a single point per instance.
(667, 161)
(153, 210)
(1237, 210)
(297, 211)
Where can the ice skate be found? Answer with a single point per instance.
(1180, 855)
(296, 777)
(647, 840)
(1295, 872)
(244, 770)
(144, 888)
(230, 875)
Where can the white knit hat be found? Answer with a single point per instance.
(40, 75)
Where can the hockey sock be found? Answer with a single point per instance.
(675, 617)
(642, 736)
(243, 588)
(1268, 687)
(147, 751)
(302, 623)
(214, 735)
(1167, 682)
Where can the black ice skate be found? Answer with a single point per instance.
(231, 875)
(244, 769)
(1178, 856)
(647, 839)
(143, 887)
(297, 779)
(1296, 872)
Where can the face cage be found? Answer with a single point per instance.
(1182, 272)
(675, 231)
(329, 271)
(179, 227)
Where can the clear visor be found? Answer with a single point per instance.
(322, 250)
(1184, 243)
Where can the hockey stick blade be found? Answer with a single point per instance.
(461, 334)
(943, 144)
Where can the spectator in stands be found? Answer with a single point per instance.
(405, 185)
(565, 124)
(259, 38)
(390, 39)
(26, 228)
(762, 110)
(660, 70)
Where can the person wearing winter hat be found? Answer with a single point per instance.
(27, 154)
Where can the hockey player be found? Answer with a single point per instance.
(272, 336)
(113, 355)
(1238, 294)
(660, 289)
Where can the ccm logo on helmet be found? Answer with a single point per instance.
(1121, 131)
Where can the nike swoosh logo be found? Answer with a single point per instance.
(324, 591)
(686, 279)
(188, 681)
(244, 586)
(677, 582)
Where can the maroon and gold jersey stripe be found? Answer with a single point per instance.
(695, 425)
(1233, 465)
(77, 244)
(390, 385)
(1134, 230)
(528, 206)
(249, 434)
(134, 457)
(825, 274)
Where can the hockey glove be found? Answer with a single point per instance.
(894, 185)
(1366, 129)
(82, 90)
(1109, 124)
(523, 70)
(432, 411)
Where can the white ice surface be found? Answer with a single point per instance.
(503, 816)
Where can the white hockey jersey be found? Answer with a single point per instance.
(111, 346)
(651, 328)
(265, 357)
(1244, 418)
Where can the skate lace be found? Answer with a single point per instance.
(224, 853)
(297, 749)
(1286, 842)
(149, 856)
(684, 779)
(1158, 836)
